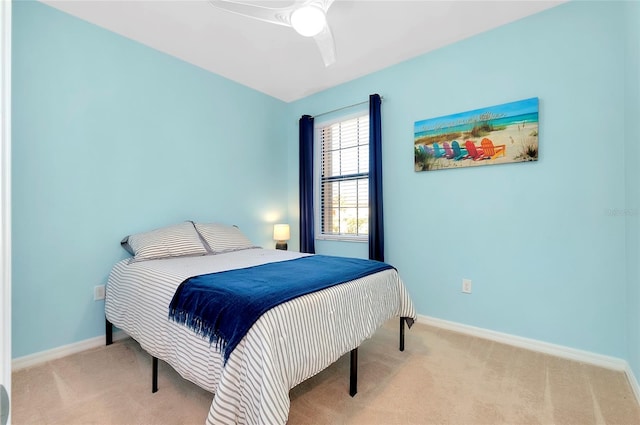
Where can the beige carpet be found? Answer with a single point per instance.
(441, 378)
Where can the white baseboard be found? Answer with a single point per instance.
(65, 350)
(530, 344)
(633, 382)
(541, 347)
(517, 341)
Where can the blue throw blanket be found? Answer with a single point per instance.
(223, 306)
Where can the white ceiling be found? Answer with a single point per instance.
(369, 35)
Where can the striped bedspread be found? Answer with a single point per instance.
(287, 345)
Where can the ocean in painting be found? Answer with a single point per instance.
(497, 122)
(523, 111)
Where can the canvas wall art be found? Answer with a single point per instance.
(493, 135)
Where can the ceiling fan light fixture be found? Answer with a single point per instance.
(308, 21)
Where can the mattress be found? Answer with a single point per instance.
(287, 345)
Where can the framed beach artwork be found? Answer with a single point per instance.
(498, 134)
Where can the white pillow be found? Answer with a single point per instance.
(171, 241)
(222, 238)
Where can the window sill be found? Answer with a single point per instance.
(358, 239)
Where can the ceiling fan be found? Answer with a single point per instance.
(307, 17)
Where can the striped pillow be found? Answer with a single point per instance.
(221, 237)
(171, 241)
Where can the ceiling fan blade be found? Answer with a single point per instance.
(282, 16)
(327, 47)
(274, 15)
(324, 4)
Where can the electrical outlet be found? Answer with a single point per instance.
(98, 293)
(466, 286)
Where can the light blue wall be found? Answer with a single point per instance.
(546, 257)
(111, 137)
(632, 153)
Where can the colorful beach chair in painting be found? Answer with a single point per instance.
(477, 154)
(438, 152)
(448, 152)
(492, 150)
(458, 152)
(426, 149)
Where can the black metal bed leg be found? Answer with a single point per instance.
(402, 333)
(108, 331)
(353, 375)
(154, 377)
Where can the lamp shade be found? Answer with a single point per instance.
(281, 232)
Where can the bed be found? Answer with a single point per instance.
(287, 345)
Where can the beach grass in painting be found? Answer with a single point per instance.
(494, 135)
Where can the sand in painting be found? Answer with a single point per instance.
(520, 142)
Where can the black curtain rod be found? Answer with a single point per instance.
(344, 107)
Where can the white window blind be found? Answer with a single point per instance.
(344, 180)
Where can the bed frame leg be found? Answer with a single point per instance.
(154, 377)
(108, 331)
(353, 376)
(402, 333)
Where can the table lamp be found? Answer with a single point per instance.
(281, 235)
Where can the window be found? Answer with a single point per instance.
(344, 178)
